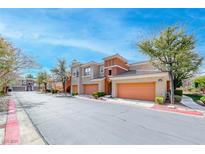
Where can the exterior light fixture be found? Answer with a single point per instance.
(160, 80)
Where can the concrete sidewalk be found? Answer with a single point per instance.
(28, 133)
(16, 127)
(187, 101)
(3, 117)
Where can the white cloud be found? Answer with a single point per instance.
(79, 43)
(9, 32)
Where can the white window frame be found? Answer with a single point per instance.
(75, 72)
(87, 71)
(101, 69)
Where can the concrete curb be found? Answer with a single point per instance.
(178, 110)
(153, 106)
(187, 101)
(29, 134)
(119, 102)
(12, 133)
(18, 128)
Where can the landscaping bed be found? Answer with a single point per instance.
(3, 103)
(196, 98)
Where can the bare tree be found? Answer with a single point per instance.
(12, 60)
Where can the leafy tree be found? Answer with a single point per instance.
(12, 61)
(173, 52)
(60, 72)
(200, 82)
(43, 78)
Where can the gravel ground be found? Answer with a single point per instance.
(3, 104)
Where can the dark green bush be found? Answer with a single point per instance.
(177, 98)
(98, 94)
(178, 92)
(74, 94)
(54, 91)
(48, 90)
(101, 94)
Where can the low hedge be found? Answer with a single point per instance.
(202, 99)
(54, 91)
(159, 100)
(98, 94)
(48, 90)
(177, 98)
(74, 94)
(178, 92)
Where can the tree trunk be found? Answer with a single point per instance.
(45, 85)
(177, 83)
(64, 86)
(172, 87)
(39, 86)
(5, 88)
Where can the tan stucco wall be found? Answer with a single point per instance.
(86, 80)
(161, 87)
(101, 85)
(142, 67)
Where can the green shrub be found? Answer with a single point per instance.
(98, 94)
(178, 92)
(202, 99)
(101, 94)
(95, 95)
(54, 91)
(48, 90)
(74, 94)
(1, 93)
(159, 100)
(177, 98)
(191, 89)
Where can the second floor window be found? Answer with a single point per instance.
(101, 69)
(87, 71)
(110, 72)
(75, 73)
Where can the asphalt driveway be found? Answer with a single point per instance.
(68, 120)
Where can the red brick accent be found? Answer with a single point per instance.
(115, 69)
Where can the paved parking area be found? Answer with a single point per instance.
(68, 120)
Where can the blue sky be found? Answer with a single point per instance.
(91, 34)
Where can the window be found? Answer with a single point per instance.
(75, 73)
(87, 71)
(110, 72)
(101, 69)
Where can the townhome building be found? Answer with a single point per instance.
(117, 78)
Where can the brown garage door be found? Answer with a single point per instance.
(140, 91)
(18, 88)
(75, 89)
(90, 88)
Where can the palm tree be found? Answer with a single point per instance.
(60, 72)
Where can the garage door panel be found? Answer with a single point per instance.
(18, 88)
(75, 88)
(140, 91)
(90, 88)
